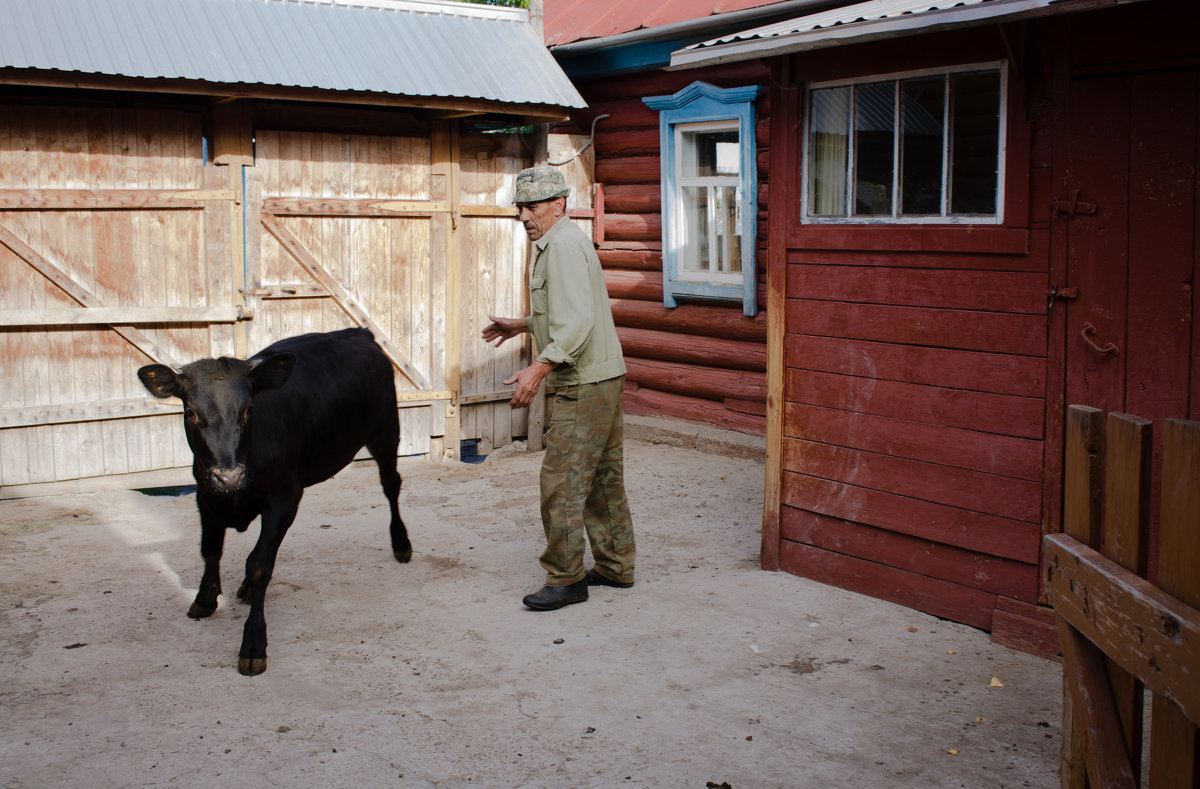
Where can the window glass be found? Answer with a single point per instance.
(710, 168)
(976, 142)
(695, 228)
(913, 148)
(874, 122)
(710, 153)
(923, 111)
(729, 237)
(829, 145)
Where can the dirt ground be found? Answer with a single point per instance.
(709, 672)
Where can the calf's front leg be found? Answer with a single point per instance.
(277, 517)
(212, 543)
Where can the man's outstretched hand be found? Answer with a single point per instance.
(501, 329)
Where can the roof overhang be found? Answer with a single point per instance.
(871, 21)
(434, 54)
(650, 48)
(437, 106)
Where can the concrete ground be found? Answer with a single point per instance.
(709, 672)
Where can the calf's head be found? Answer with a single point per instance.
(218, 398)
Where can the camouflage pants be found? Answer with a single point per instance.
(583, 485)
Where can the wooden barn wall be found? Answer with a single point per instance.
(114, 251)
(418, 228)
(389, 266)
(915, 380)
(140, 231)
(701, 361)
(495, 248)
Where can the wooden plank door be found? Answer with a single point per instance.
(113, 254)
(351, 230)
(1127, 203)
(495, 253)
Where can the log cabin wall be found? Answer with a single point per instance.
(701, 361)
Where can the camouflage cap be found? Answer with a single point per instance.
(535, 184)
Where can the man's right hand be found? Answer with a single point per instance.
(501, 329)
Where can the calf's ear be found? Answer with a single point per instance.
(161, 380)
(271, 372)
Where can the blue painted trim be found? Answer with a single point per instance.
(698, 103)
(646, 56)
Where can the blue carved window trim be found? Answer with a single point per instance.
(701, 106)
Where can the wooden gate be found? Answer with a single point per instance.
(120, 244)
(1120, 633)
(114, 251)
(348, 230)
(412, 237)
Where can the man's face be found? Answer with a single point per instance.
(539, 217)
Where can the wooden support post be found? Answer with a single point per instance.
(1082, 491)
(233, 146)
(537, 409)
(1084, 674)
(445, 164)
(1084, 474)
(1125, 539)
(1175, 740)
(782, 197)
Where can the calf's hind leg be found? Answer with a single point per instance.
(383, 448)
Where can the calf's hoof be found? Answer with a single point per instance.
(251, 667)
(200, 611)
(403, 556)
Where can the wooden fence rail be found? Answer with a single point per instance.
(1120, 633)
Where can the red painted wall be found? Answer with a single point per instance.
(925, 373)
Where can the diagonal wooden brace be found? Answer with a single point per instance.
(310, 264)
(79, 293)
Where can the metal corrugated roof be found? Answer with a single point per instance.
(868, 20)
(421, 48)
(567, 21)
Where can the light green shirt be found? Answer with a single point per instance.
(572, 321)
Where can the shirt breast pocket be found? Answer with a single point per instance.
(538, 299)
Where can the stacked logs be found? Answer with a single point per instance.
(700, 361)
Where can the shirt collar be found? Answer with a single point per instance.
(542, 242)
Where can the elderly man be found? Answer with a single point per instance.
(582, 478)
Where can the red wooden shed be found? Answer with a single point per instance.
(975, 213)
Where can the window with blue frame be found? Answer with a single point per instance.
(709, 194)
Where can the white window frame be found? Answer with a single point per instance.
(895, 218)
(689, 268)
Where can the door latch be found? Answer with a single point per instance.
(1055, 293)
(1072, 207)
